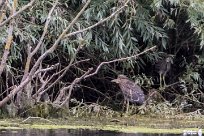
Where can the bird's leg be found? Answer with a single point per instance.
(127, 106)
(124, 104)
(160, 80)
(164, 80)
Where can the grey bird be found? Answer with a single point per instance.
(131, 91)
(163, 66)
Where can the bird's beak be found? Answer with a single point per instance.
(114, 80)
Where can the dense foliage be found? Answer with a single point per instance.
(174, 26)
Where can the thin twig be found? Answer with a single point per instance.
(57, 80)
(46, 69)
(77, 80)
(70, 87)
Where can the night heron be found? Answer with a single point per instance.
(163, 66)
(131, 91)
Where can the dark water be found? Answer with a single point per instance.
(68, 132)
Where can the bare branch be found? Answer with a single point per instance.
(121, 59)
(2, 3)
(28, 60)
(9, 39)
(2, 9)
(77, 80)
(70, 87)
(98, 23)
(24, 83)
(33, 71)
(27, 66)
(54, 46)
(17, 13)
(41, 91)
(46, 69)
(45, 28)
(65, 71)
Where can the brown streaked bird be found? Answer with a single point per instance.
(131, 91)
(163, 66)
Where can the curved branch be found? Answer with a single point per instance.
(121, 59)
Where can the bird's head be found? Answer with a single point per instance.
(119, 79)
(169, 58)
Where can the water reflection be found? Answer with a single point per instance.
(68, 132)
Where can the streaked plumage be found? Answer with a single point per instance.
(131, 91)
(163, 66)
